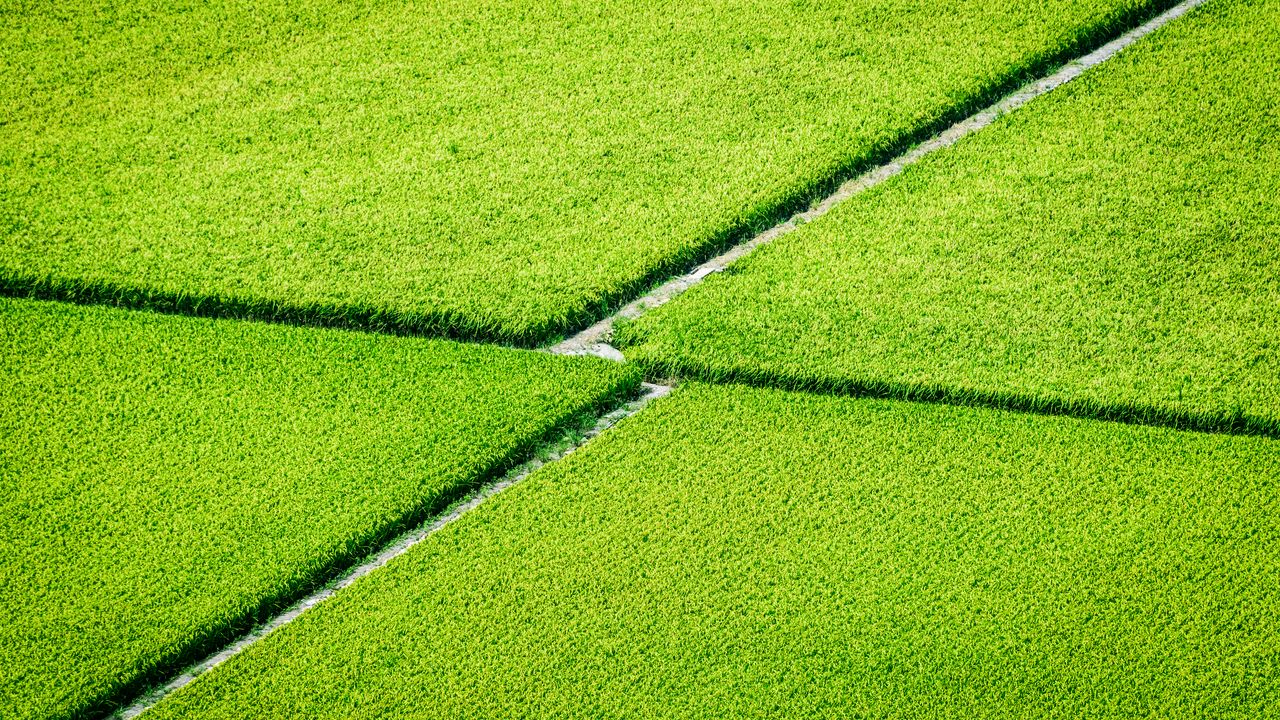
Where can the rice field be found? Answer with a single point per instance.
(167, 481)
(740, 552)
(499, 171)
(1110, 250)
(287, 432)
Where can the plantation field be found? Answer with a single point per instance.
(740, 552)
(165, 481)
(500, 170)
(1108, 250)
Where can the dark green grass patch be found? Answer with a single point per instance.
(165, 481)
(1112, 249)
(504, 170)
(740, 552)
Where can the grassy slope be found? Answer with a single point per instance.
(502, 169)
(163, 480)
(1112, 249)
(737, 552)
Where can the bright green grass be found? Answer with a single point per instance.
(738, 552)
(1112, 249)
(166, 480)
(503, 169)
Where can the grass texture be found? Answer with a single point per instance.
(747, 552)
(165, 481)
(1112, 249)
(504, 170)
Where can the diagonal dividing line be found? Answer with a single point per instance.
(389, 552)
(595, 339)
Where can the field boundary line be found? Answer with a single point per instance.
(390, 551)
(1131, 413)
(595, 339)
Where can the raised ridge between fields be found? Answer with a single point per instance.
(594, 340)
(551, 452)
(32, 283)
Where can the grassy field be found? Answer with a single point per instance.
(165, 480)
(502, 170)
(1109, 250)
(741, 552)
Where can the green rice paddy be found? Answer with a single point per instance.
(166, 481)
(742, 552)
(979, 541)
(501, 170)
(1110, 250)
